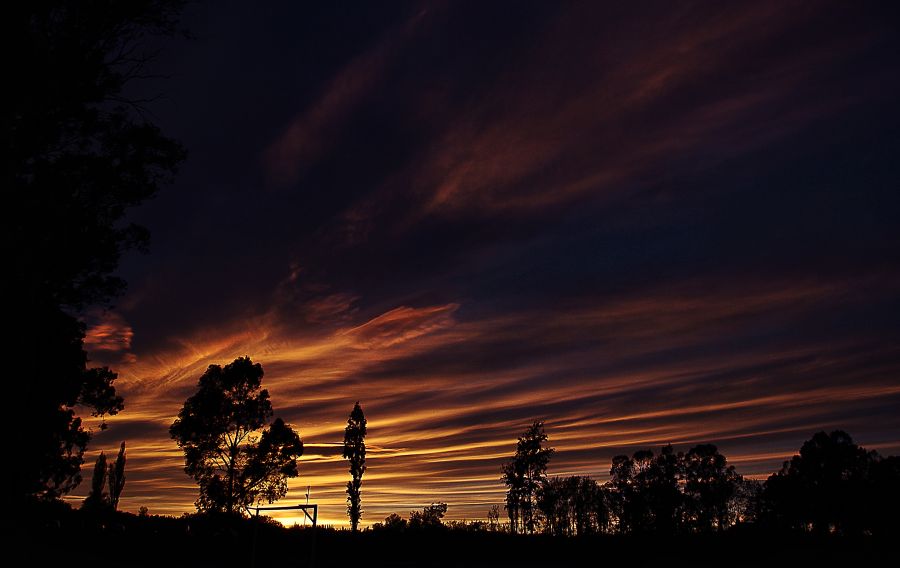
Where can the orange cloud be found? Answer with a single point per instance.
(401, 324)
(529, 143)
(109, 339)
(444, 413)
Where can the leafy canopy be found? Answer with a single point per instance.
(524, 475)
(76, 155)
(355, 453)
(228, 450)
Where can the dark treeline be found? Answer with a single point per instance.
(831, 486)
(124, 539)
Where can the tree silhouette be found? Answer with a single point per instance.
(116, 477)
(76, 155)
(573, 505)
(493, 516)
(524, 475)
(355, 452)
(883, 501)
(626, 495)
(664, 497)
(218, 429)
(428, 518)
(552, 502)
(824, 488)
(392, 522)
(644, 491)
(710, 485)
(744, 505)
(97, 499)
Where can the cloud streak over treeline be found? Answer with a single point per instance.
(645, 224)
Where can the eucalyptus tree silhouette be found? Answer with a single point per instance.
(355, 453)
(524, 475)
(664, 497)
(76, 155)
(826, 487)
(574, 505)
(710, 484)
(227, 449)
(627, 495)
(669, 492)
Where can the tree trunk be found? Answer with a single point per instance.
(229, 503)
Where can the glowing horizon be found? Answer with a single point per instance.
(449, 449)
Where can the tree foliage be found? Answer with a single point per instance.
(671, 492)
(228, 450)
(355, 453)
(571, 506)
(107, 483)
(428, 518)
(831, 486)
(710, 486)
(524, 475)
(76, 155)
(662, 493)
(392, 522)
(97, 498)
(834, 485)
(493, 516)
(116, 478)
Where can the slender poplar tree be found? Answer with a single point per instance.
(355, 452)
(97, 499)
(116, 478)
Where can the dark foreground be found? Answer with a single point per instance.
(71, 538)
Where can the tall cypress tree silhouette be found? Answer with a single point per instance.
(355, 452)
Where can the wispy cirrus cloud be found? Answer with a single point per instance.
(633, 115)
(642, 223)
(109, 338)
(312, 132)
(446, 397)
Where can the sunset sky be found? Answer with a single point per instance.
(642, 222)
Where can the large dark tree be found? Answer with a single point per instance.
(76, 154)
(628, 492)
(883, 502)
(645, 491)
(664, 497)
(826, 487)
(574, 505)
(227, 448)
(710, 485)
(355, 453)
(524, 475)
